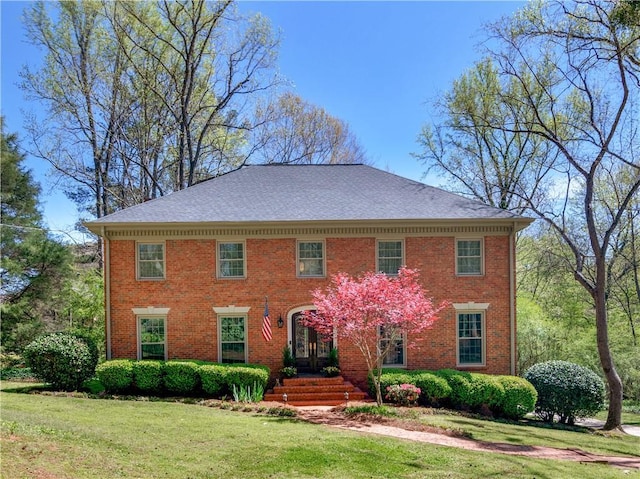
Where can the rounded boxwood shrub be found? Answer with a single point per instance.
(181, 377)
(565, 389)
(519, 397)
(116, 375)
(434, 389)
(148, 375)
(213, 378)
(64, 360)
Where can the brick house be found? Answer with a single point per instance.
(187, 275)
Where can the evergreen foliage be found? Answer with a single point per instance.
(566, 390)
(62, 359)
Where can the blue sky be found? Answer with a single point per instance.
(376, 65)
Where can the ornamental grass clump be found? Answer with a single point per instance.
(403, 394)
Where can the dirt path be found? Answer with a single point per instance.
(389, 427)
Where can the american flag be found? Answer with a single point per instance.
(266, 323)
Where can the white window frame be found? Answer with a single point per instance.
(219, 260)
(378, 258)
(481, 272)
(150, 313)
(164, 261)
(299, 260)
(472, 308)
(404, 352)
(233, 311)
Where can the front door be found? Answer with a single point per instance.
(309, 349)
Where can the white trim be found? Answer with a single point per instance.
(150, 311)
(483, 339)
(230, 315)
(482, 255)
(106, 271)
(390, 240)
(471, 306)
(324, 257)
(164, 261)
(219, 274)
(143, 315)
(231, 309)
(404, 351)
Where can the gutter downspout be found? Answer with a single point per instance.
(107, 290)
(512, 299)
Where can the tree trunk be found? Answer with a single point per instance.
(614, 417)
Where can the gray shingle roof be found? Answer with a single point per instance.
(282, 193)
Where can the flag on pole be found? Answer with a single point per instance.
(266, 323)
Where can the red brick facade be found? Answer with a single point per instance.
(191, 290)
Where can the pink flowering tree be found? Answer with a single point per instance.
(360, 309)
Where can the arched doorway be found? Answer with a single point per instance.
(309, 348)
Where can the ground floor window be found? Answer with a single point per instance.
(152, 337)
(470, 338)
(396, 357)
(233, 339)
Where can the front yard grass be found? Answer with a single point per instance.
(67, 437)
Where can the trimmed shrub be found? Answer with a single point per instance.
(434, 389)
(245, 376)
(116, 375)
(565, 389)
(181, 377)
(519, 397)
(148, 375)
(473, 390)
(213, 378)
(61, 359)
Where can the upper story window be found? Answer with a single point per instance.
(231, 260)
(150, 260)
(310, 258)
(390, 257)
(469, 258)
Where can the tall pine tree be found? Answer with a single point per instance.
(33, 265)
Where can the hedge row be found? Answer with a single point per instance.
(507, 396)
(178, 377)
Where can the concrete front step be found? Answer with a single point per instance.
(315, 391)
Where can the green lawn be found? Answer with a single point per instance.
(66, 437)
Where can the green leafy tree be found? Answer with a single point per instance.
(569, 74)
(33, 266)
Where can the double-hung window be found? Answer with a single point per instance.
(390, 257)
(471, 338)
(469, 258)
(233, 339)
(396, 355)
(231, 260)
(152, 337)
(310, 258)
(150, 261)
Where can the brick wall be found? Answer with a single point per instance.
(191, 290)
